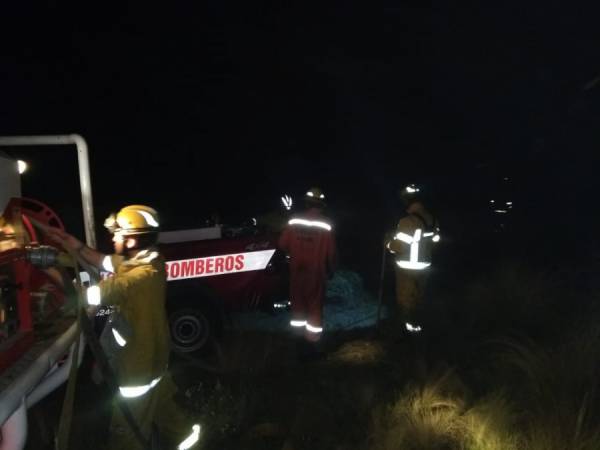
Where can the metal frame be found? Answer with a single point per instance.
(45, 374)
(85, 180)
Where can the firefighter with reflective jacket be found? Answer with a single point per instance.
(411, 245)
(309, 241)
(138, 330)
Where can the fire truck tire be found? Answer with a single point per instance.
(191, 329)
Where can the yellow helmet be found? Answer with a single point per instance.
(133, 219)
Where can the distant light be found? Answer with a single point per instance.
(412, 328)
(509, 203)
(505, 178)
(254, 222)
(22, 166)
(500, 211)
(492, 201)
(436, 238)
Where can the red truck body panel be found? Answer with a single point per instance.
(229, 268)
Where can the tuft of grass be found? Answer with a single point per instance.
(557, 389)
(437, 416)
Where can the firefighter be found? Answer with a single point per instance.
(139, 329)
(411, 245)
(309, 241)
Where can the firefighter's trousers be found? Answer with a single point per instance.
(156, 407)
(307, 290)
(410, 291)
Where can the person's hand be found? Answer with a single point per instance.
(64, 239)
(387, 237)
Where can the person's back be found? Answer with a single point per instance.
(419, 224)
(308, 240)
(411, 246)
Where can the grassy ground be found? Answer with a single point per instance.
(508, 362)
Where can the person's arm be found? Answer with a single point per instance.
(402, 236)
(71, 243)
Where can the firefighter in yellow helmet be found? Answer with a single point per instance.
(411, 244)
(136, 338)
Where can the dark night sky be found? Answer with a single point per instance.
(358, 97)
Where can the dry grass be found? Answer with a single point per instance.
(436, 416)
(541, 398)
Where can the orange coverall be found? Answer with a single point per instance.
(309, 241)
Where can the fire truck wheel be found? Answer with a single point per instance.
(190, 329)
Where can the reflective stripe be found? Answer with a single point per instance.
(412, 265)
(149, 219)
(403, 237)
(138, 391)
(500, 211)
(310, 223)
(107, 264)
(429, 234)
(120, 340)
(414, 247)
(298, 323)
(93, 295)
(287, 202)
(312, 329)
(191, 439)
(145, 256)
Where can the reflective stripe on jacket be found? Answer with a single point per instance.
(309, 240)
(413, 240)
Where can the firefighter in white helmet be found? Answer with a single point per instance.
(138, 330)
(411, 244)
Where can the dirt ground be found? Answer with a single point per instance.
(259, 391)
